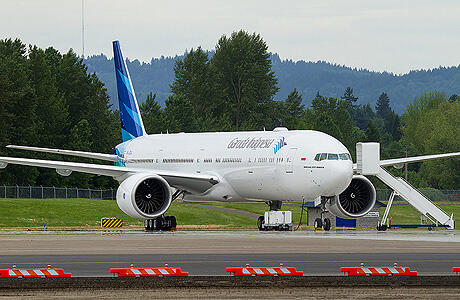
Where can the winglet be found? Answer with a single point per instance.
(130, 116)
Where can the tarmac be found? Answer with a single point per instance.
(210, 252)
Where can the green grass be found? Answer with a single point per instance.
(403, 213)
(86, 213)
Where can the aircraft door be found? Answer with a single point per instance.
(291, 154)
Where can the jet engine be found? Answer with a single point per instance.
(144, 196)
(356, 201)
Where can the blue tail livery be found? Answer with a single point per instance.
(130, 116)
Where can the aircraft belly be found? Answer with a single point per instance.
(256, 183)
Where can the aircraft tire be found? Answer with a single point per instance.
(170, 223)
(318, 223)
(327, 224)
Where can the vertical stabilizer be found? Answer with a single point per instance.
(130, 116)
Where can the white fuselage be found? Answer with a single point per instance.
(251, 166)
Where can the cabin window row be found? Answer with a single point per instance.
(178, 160)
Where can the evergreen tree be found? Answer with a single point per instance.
(152, 115)
(349, 97)
(382, 106)
(291, 111)
(372, 132)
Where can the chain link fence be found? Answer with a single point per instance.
(42, 192)
(432, 194)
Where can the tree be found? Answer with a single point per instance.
(152, 115)
(242, 69)
(194, 82)
(415, 118)
(51, 111)
(291, 111)
(361, 115)
(382, 106)
(331, 116)
(349, 97)
(372, 132)
(179, 115)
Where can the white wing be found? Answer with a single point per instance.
(101, 156)
(400, 161)
(194, 183)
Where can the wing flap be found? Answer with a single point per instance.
(196, 183)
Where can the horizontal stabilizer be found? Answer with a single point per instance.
(101, 156)
(400, 161)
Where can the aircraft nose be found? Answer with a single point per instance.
(339, 177)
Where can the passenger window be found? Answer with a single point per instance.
(332, 156)
(323, 156)
(317, 156)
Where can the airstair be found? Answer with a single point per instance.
(368, 163)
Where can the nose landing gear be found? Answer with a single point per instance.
(323, 222)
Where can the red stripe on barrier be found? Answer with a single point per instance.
(456, 269)
(147, 272)
(378, 271)
(264, 271)
(33, 273)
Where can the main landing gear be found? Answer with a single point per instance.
(323, 222)
(162, 223)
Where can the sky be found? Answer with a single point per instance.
(392, 35)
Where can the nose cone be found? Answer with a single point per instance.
(339, 175)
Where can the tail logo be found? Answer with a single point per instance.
(131, 121)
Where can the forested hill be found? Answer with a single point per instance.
(308, 77)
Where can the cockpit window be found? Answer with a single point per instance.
(345, 156)
(332, 156)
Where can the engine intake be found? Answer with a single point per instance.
(356, 201)
(144, 196)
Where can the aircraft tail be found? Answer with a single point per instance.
(130, 116)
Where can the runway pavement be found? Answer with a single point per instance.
(209, 252)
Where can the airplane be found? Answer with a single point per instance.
(261, 166)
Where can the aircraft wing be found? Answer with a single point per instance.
(101, 156)
(400, 161)
(195, 183)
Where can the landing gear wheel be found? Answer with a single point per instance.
(327, 224)
(260, 223)
(170, 223)
(161, 223)
(148, 225)
(318, 223)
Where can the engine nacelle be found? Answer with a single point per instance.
(144, 196)
(356, 201)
